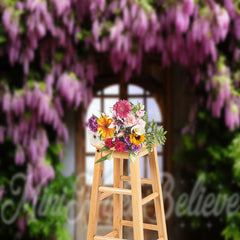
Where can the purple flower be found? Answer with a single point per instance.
(19, 156)
(21, 224)
(43, 172)
(92, 123)
(117, 121)
(31, 191)
(127, 140)
(7, 99)
(136, 148)
(232, 115)
(61, 6)
(126, 148)
(70, 88)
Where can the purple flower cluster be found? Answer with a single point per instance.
(127, 140)
(136, 148)
(92, 123)
(194, 41)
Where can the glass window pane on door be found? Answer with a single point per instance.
(89, 169)
(135, 100)
(135, 90)
(112, 90)
(94, 108)
(108, 105)
(153, 110)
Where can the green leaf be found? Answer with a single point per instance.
(3, 39)
(27, 115)
(104, 148)
(145, 119)
(42, 86)
(83, 34)
(106, 157)
(109, 156)
(59, 56)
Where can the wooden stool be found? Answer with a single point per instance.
(99, 193)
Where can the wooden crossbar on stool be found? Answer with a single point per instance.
(100, 192)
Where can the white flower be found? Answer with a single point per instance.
(138, 129)
(140, 106)
(94, 138)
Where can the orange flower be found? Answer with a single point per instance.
(104, 122)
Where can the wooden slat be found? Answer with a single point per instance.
(94, 205)
(107, 238)
(143, 180)
(136, 199)
(145, 225)
(158, 202)
(115, 190)
(149, 198)
(117, 198)
(124, 155)
(104, 195)
(143, 152)
(112, 234)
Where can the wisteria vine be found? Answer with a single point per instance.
(49, 39)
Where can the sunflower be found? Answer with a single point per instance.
(137, 139)
(103, 127)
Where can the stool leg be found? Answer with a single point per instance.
(158, 202)
(94, 206)
(136, 199)
(117, 198)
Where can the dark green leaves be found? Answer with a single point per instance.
(104, 148)
(155, 135)
(106, 157)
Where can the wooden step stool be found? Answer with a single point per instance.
(99, 193)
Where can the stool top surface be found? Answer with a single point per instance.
(124, 155)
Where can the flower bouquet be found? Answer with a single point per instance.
(125, 131)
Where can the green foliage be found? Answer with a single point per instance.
(48, 218)
(232, 231)
(104, 148)
(54, 200)
(145, 119)
(154, 135)
(212, 155)
(234, 151)
(106, 157)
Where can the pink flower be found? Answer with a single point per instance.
(19, 156)
(140, 113)
(131, 120)
(21, 225)
(141, 122)
(122, 108)
(232, 115)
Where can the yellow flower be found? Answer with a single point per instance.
(137, 139)
(103, 126)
